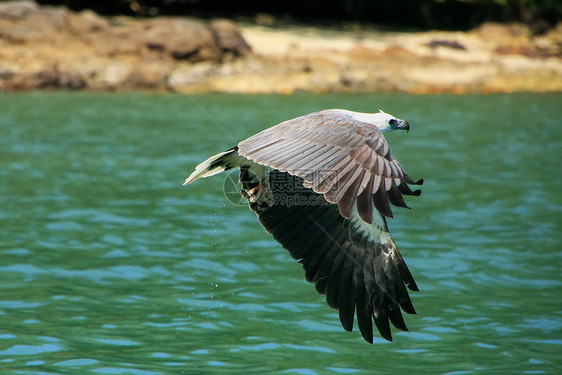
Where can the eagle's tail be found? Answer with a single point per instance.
(215, 164)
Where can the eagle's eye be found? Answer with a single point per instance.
(392, 122)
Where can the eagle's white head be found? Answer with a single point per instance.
(384, 121)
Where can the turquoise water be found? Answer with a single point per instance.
(109, 266)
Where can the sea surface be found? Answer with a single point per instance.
(108, 265)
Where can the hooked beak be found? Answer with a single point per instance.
(404, 125)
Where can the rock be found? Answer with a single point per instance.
(113, 75)
(228, 38)
(534, 52)
(54, 78)
(183, 39)
(145, 77)
(48, 77)
(86, 22)
(435, 43)
(46, 21)
(27, 23)
(186, 76)
(119, 41)
(16, 10)
(503, 33)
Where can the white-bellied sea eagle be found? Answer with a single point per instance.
(323, 184)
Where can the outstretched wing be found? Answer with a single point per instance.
(323, 166)
(344, 159)
(356, 265)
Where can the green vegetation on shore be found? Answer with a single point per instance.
(441, 14)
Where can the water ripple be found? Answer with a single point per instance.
(109, 266)
(31, 349)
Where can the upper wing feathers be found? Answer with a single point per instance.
(330, 150)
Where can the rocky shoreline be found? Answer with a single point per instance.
(44, 47)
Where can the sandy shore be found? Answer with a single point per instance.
(492, 58)
(54, 48)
